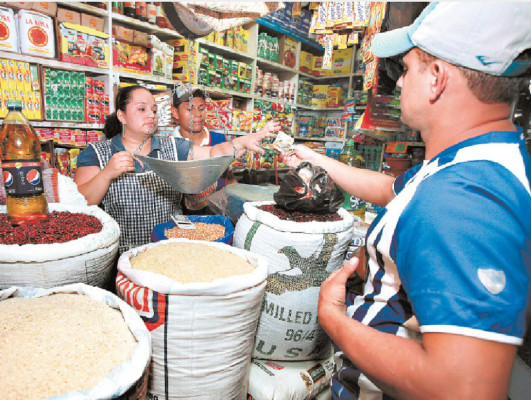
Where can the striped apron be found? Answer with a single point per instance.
(139, 201)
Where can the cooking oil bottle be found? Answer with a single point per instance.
(351, 156)
(20, 153)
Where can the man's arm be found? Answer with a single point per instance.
(443, 366)
(368, 185)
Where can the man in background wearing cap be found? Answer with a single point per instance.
(189, 109)
(443, 310)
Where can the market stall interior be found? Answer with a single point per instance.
(222, 301)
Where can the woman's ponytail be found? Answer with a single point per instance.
(112, 126)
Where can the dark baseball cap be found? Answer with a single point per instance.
(184, 97)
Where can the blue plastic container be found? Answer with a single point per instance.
(158, 230)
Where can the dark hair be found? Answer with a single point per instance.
(185, 97)
(113, 126)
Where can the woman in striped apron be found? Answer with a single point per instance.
(129, 191)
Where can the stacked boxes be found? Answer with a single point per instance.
(96, 101)
(235, 38)
(268, 47)
(64, 95)
(296, 25)
(319, 94)
(20, 81)
(184, 60)
(311, 126)
(335, 127)
(82, 45)
(341, 63)
(216, 70)
(305, 92)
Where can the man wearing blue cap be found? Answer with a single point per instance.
(449, 258)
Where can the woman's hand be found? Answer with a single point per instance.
(252, 141)
(118, 164)
(301, 153)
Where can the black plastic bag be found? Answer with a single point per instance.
(309, 189)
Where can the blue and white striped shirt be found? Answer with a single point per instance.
(450, 253)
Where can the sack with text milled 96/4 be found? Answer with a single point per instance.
(309, 189)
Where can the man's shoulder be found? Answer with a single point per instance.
(216, 138)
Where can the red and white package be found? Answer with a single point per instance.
(36, 34)
(8, 30)
(219, 114)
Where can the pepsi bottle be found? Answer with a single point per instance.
(20, 153)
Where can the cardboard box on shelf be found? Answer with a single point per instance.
(306, 62)
(72, 44)
(317, 66)
(82, 45)
(22, 5)
(335, 97)
(123, 34)
(287, 51)
(45, 7)
(91, 21)
(140, 38)
(341, 61)
(66, 15)
(319, 94)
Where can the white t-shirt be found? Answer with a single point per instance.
(204, 142)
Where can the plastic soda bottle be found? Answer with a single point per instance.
(20, 152)
(353, 157)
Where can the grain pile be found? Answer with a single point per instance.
(58, 343)
(202, 231)
(190, 262)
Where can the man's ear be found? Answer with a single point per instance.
(175, 114)
(439, 79)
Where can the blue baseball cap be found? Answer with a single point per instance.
(484, 36)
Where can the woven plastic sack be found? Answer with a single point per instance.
(294, 380)
(89, 259)
(128, 380)
(300, 257)
(202, 333)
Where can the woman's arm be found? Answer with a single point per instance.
(241, 144)
(93, 182)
